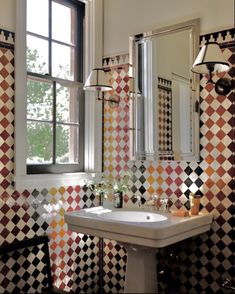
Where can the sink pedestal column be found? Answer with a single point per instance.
(141, 270)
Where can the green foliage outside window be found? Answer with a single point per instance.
(40, 107)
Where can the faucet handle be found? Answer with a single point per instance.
(164, 202)
(138, 199)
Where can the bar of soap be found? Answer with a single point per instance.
(181, 213)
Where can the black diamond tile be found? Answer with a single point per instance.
(188, 170)
(188, 182)
(134, 189)
(142, 189)
(199, 182)
(142, 179)
(198, 170)
(44, 192)
(35, 193)
(142, 169)
(35, 216)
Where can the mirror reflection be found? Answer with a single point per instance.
(165, 103)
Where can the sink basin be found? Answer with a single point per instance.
(144, 228)
(133, 216)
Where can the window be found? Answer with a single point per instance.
(92, 44)
(55, 99)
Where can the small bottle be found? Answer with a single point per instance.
(118, 200)
(194, 203)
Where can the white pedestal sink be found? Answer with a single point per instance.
(141, 270)
(141, 232)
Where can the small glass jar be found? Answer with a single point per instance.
(118, 200)
(194, 203)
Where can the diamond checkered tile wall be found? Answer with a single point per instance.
(204, 261)
(74, 257)
(17, 267)
(164, 108)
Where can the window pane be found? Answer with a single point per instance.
(67, 144)
(62, 61)
(66, 104)
(39, 100)
(39, 143)
(37, 17)
(62, 30)
(37, 55)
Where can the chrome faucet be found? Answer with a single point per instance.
(164, 204)
(159, 202)
(155, 201)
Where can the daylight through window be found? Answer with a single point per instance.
(55, 99)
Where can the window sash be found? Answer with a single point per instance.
(54, 167)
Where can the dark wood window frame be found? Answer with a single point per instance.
(54, 167)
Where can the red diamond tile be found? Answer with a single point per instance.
(221, 159)
(209, 135)
(4, 122)
(220, 134)
(209, 111)
(209, 123)
(4, 110)
(220, 110)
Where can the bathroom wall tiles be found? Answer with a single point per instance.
(74, 257)
(204, 261)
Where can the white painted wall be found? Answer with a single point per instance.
(123, 18)
(7, 15)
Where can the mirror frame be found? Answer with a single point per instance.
(194, 26)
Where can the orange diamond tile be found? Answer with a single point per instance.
(62, 233)
(150, 190)
(61, 190)
(53, 235)
(160, 169)
(209, 159)
(61, 243)
(220, 147)
(220, 184)
(159, 191)
(110, 168)
(53, 224)
(209, 183)
(151, 180)
(209, 147)
(209, 171)
(61, 222)
(159, 180)
(53, 191)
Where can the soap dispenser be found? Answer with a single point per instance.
(194, 203)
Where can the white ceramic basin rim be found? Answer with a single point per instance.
(133, 216)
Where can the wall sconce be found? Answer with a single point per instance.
(98, 81)
(210, 59)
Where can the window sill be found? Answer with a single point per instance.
(40, 181)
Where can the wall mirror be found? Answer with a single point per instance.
(165, 93)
